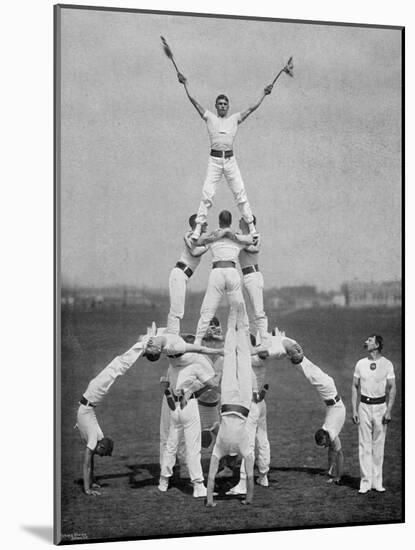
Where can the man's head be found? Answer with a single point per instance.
(244, 227)
(214, 330)
(222, 105)
(322, 438)
(225, 219)
(374, 342)
(189, 338)
(153, 349)
(192, 223)
(104, 447)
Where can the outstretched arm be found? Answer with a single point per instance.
(245, 114)
(196, 348)
(213, 236)
(248, 240)
(195, 251)
(183, 80)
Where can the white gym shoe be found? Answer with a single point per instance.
(199, 490)
(163, 484)
(239, 489)
(262, 479)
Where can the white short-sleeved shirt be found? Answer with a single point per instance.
(233, 437)
(174, 344)
(373, 381)
(187, 258)
(323, 383)
(88, 426)
(221, 130)
(200, 370)
(225, 250)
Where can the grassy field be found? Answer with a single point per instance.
(131, 506)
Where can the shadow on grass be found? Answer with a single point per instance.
(148, 474)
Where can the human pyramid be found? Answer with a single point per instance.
(215, 387)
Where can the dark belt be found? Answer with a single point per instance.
(372, 400)
(175, 356)
(177, 398)
(223, 264)
(235, 408)
(85, 402)
(250, 269)
(185, 268)
(220, 154)
(205, 404)
(331, 402)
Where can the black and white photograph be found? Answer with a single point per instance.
(229, 197)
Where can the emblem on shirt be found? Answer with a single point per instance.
(372, 366)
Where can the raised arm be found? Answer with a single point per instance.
(245, 114)
(196, 104)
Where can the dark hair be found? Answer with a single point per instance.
(189, 338)
(152, 356)
(214, 322)
(108, 444)
(192, 221)
(253, 339)
(379, 341)
(321, 436)
(225, 218)
(222, 96)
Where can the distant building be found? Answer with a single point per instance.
(359, 294)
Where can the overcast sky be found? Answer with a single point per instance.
(321, 157)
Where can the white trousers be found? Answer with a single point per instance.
(218, 167)
(257, 427)
(188, 420)
(164, 434)
(372, 435)
(222, 280)
(177, 289)
(254, 284)
(236, 384)
(236, 389)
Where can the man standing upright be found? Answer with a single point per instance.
(180, 275)
(374, 377)
(224, 277)
(222, 131)
(253, 281)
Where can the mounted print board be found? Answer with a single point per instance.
(163, 115)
